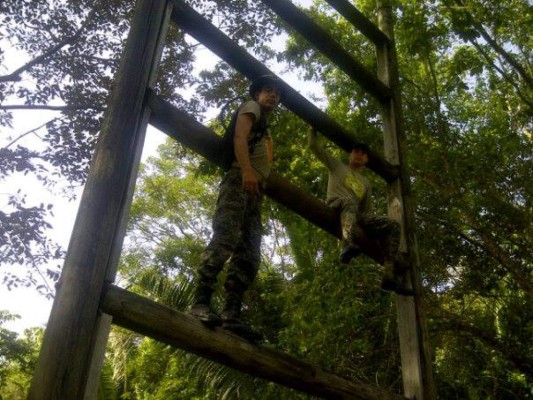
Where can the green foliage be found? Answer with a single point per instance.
(302, 301)
(69, 53)
(469, 149)
(466, 82)
(18, 356)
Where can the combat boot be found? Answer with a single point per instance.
(392, 282)
(232, 321)
(348, 252)
(201, 307)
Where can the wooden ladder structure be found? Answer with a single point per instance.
(87, 301)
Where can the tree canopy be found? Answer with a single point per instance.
(466, 78)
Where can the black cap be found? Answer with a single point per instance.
(263, 80)
(361, 146)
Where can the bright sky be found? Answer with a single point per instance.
(33, 308)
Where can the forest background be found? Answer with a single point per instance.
(465, 70)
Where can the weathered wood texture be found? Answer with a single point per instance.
(205, 142)
(68, 346)
(360, 21)
(412, 326)
(405, 308)
(323, 41)
(102, 330)
(103, 323)
(141, 315)
(203, 31)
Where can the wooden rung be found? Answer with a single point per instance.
(178, 329)
(323, 41)
(360, 21)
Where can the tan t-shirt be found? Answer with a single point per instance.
(259, 158)
(343, 182)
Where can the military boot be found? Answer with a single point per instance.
(348, 252)
(201, 307)
(392, 282)
(232, 321)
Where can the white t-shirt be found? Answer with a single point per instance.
(259, 158)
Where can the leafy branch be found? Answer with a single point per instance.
(28, 132)
(505, 75)
(478, 27)
(460, 325)
(15, 75)
(487, 243)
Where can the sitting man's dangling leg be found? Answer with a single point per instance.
(349, 227)
(389, 231)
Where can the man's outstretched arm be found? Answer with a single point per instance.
(322, 154)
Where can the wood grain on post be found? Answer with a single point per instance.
(412, 326)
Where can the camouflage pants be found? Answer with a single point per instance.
(378, 227)
(237, 234)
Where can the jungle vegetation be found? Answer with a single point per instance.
(466, 78)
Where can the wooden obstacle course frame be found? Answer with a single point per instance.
(86, 303)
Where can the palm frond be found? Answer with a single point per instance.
(173, 293)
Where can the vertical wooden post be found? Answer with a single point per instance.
(63, 367)
(103, 324)
(414, 345)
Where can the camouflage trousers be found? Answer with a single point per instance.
(378, 227)
(237, 231)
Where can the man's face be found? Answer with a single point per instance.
(268, 97)
(358, 158)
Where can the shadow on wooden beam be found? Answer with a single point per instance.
(178, 329)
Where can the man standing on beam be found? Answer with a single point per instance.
(349, 192)
(237, 227)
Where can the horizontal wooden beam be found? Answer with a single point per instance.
(360, 21)
(178, 329)
(192, 134)
(207, 34)
(322, 40)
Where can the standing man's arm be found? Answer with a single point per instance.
(250, 183)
